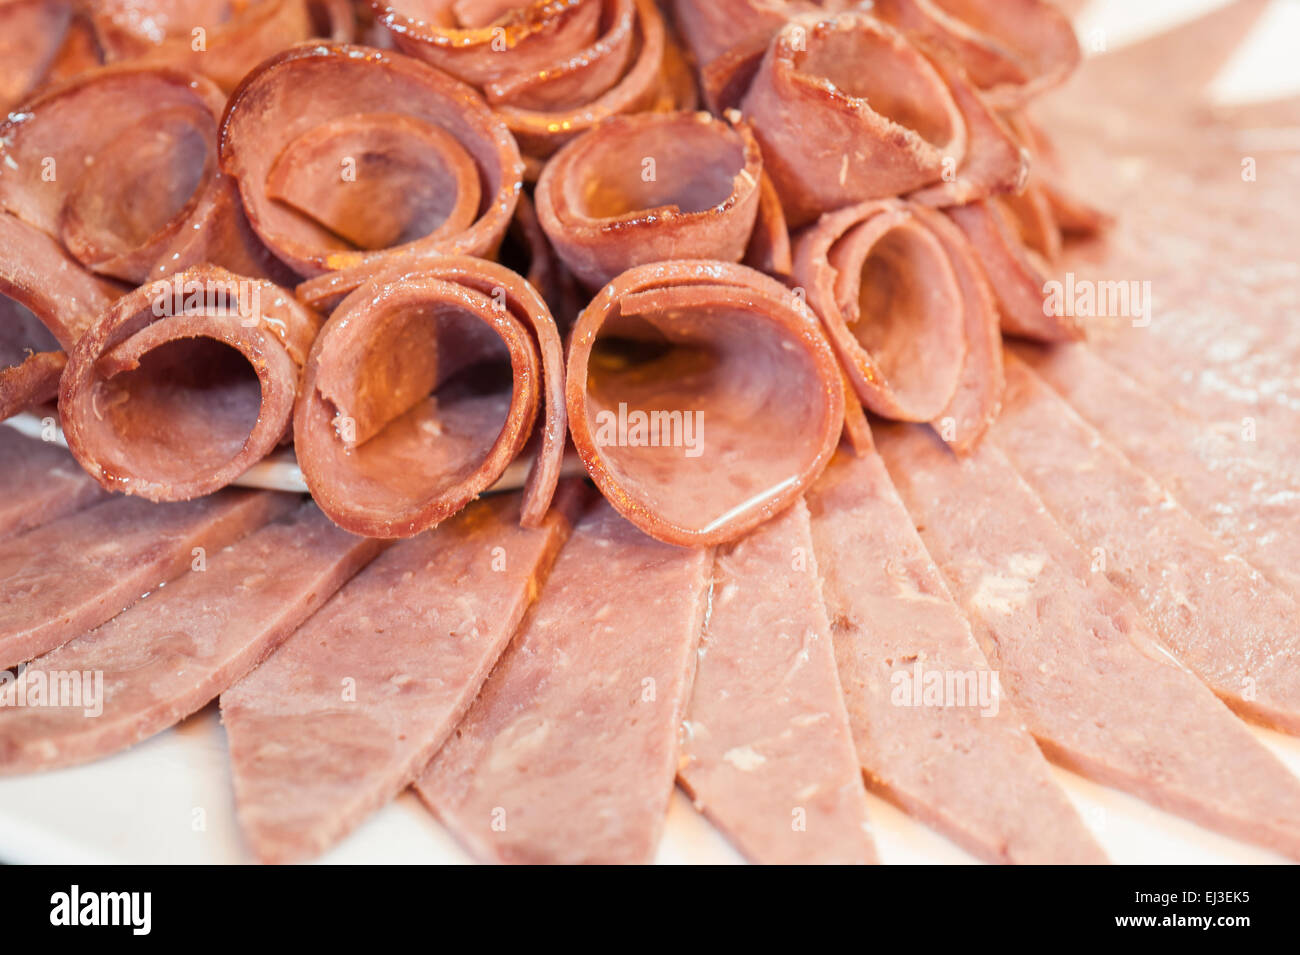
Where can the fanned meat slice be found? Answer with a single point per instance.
(768, 754)
(651, 187)
(184, 384)
(356, 703)
(171, 653)
(703, 398)
(905, 303)
(41, 483)
(569, 752)
(1224, 621)
(422, 388)
(119, 166)
(714, 28)
(967, 767)
(1013, 50)
(847, 110)
(322, 133)
(32, 32)
(1083, 668)
(222, 39)
(70, 575)
(1242, 500)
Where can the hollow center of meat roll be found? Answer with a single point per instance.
(706, 410)
(188, 407)
(22, 334)
(886, 74)
(655, 166)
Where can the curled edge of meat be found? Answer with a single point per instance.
(672, 291)
(252, 137)
(938, 356)
(914, 122)
(1013, 50)
(259, 320)
(644, 220)
(491, 294)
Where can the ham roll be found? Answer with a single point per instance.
(846, 109)
(646, 188)
(185, 383)
(41, 41)
(703, 398)
(119, 165)
(421, 388)
(904, 301)
(1013, 50)
(350, 158)
(550, 70)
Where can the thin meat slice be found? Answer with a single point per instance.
(1208, 607)
(32, 32)
(168, 655)
(322, 134)
(422, 388)
(768, 754)
(1083, 668)
(69, 576)
(41, 483)
(356, 703)
(703, 398)
(651, 187)
(568, 754)
(966, 766)
(847, 110)
(184, 384)
(1241, 500)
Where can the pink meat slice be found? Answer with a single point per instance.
(1218, 615)
(972, 772)
(568, 754)
(1085, 670)
(168, 655)
(64, 578)
(41, 483)
(768, 754)
(417, 632)
(1243, 501)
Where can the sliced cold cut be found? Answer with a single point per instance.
(70, 575)
(568, 754)
(767, 753)
(168, 655)
(41, 483)
(961, 761)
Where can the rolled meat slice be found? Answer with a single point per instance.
(651, 187)
(703, 398)
(119, 166)
(33, 36)
(348, 156)
(1012, 50)
(185, 383)
(421, 388)
(904, 302)
(218, 38)
(550, 70)
(846, 109)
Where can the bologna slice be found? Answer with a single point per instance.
(70, 575)
(41, 483)
(184, 384)
(1085, 671)
(703, 398)
(961, 764)
(1210, 609)
(568, 754)
(350, 156)
(767, 753)
(652, 187)
(422, 388)
(171, 653)
(1242, 500)
(355, 704)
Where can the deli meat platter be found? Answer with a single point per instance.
(649, 431)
